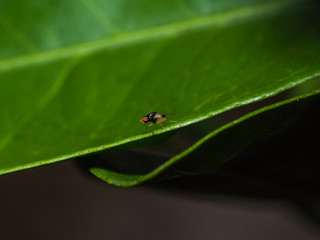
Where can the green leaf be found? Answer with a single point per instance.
(211, 151)
(76, 76)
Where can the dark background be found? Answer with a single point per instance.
(60, 201)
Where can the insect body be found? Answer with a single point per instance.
(154, 118)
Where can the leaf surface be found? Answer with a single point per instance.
(76, 76)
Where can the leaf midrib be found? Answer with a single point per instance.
(158, 32)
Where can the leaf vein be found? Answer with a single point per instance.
(51, 93)
(158, 32)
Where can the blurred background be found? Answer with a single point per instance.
(60, 201)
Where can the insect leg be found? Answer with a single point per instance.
(149, 126)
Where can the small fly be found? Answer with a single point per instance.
(154, 118)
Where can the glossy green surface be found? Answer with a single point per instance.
(76, 76)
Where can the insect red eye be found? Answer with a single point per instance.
(144, 120)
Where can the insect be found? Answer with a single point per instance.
(154, 118)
